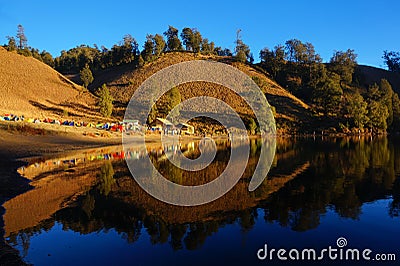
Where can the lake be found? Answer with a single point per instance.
(87, 209)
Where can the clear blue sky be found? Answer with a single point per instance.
(368, 27)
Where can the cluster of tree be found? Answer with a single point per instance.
(19, 43)
(378, 108)
(242, 50)
(75, 59)
(341, 176)
(300, 69)
(105, 101)
(329, 87)
(128, 51)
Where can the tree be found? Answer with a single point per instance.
(207, 47)
(47, 58)
(296, 51)
(22, 40)
(187, 38)
(377, 114)
(159, 44)
(356, 108)
(396, 112)
(328, 96)
(392, 60)
(241, 49)
(222, 52)
(153, 114)
(241, 56)
(12, 44)
(173, 99)
(343, 64)
(105, 101)
(148, 48)
(173, 42)
(252, 126)
(196, 41)
(129, 49)
(386, 92)
(192, 39)
(273, 60)
(86, 76)
(140, 61)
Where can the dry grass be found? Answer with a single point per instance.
(31, 88)
(123, 81)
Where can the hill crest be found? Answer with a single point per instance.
(31, 88)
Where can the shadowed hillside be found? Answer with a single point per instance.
(31, 88)
(368, 75)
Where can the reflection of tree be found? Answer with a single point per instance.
(106, 178)
(394, 207)
(198, 232)
(88, 204)
(343, 176)
(177, 233)
(247, 219)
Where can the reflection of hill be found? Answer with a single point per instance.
(56, 190)
(51, 193)
(238, 199)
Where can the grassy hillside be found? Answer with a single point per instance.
(31, 88)
(123, 81)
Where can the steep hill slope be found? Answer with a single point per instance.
(123, 81)
(31, 88)
(367, 75)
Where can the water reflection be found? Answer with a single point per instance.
(309, 179)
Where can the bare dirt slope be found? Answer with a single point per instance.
(31, 88)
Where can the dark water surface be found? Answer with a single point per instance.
(88, 210)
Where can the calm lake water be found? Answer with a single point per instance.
(87, 209)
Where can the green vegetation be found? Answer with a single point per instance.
(106, 178)
(153, 114)
(174, 98)
(332, 89)
(105, 101)
(173, 41)
(20, 45)
(86, 76)
(392, 60)
(242, 50)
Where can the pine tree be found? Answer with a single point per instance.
(140, 61)
(12, 44)
(173, 42)
(22, 40)
(105, 101)
(86, 76)
(357, 109)
(174, 98)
